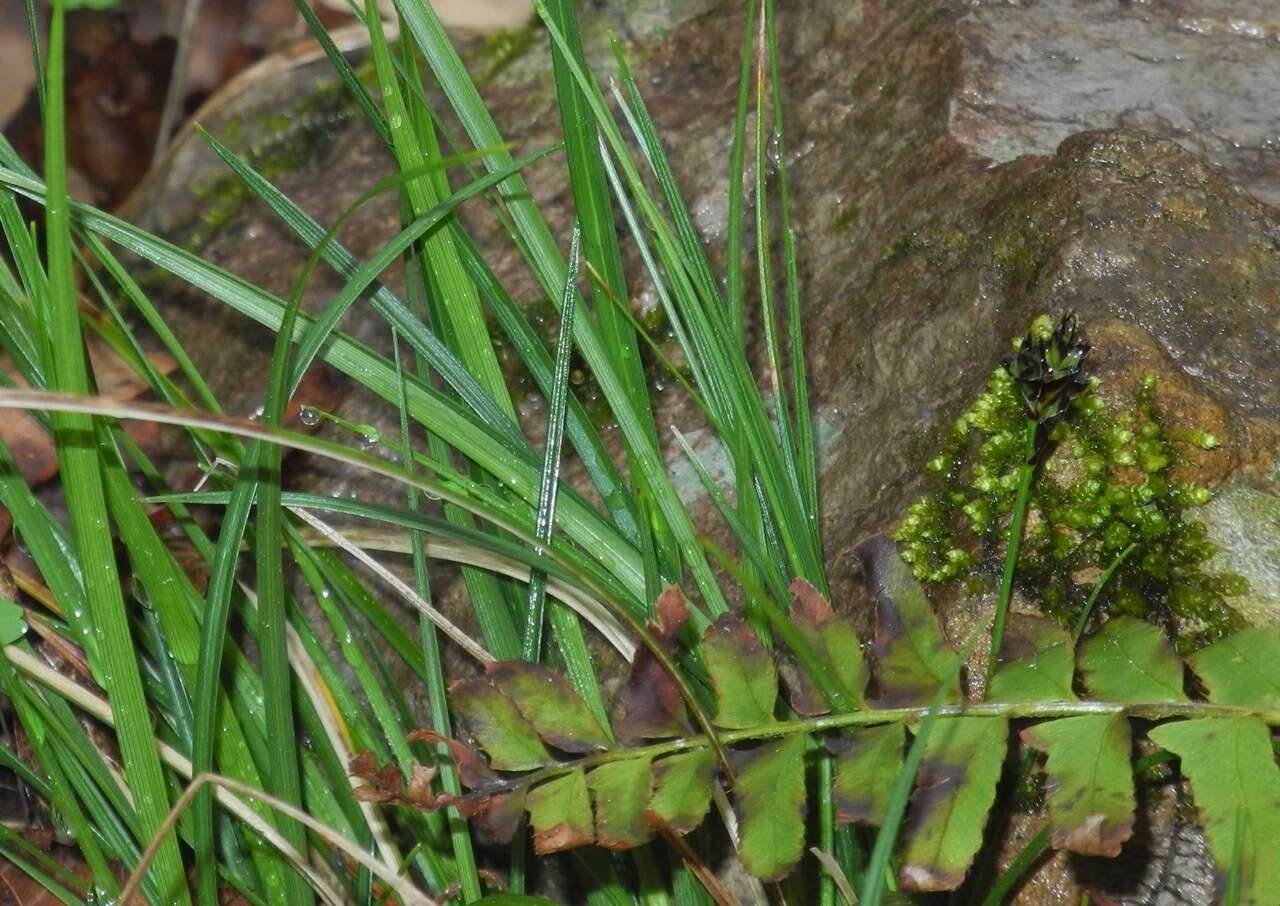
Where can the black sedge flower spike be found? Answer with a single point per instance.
(1048, 372)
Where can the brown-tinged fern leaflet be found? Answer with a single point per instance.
(534, 745)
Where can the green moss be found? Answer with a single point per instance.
(275, 143)
(1108, 483)
(1018, 249)
(498, 51)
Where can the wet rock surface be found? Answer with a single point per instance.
(956, 169)
(1204, 73)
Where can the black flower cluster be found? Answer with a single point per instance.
(1048, 372)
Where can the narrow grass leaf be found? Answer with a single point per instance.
(803, 454)
(117, 664)
(536, 600)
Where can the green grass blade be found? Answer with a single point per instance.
(535, 606)
(82, 480)
(764, 268)
(348, 75)
(581, 433)
(805, 462)
(61, 795)
(433, 667)
(564, 622)
(361, 277)
(737, 169)
(415, 147)
(600, 241)
(549, 268)
(579, 520)
(37, 63)
(711, 330)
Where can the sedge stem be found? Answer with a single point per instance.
(1025, 473)
(1018, 867)
(1097, 588)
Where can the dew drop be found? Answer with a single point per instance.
(309, 416)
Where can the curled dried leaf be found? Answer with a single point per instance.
(473, 770)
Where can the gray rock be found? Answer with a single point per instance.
(1204, 73)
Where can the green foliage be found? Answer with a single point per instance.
(623, 788)
(1107, 483)
(1090, 781)
(1038, 663)
(742, 674)
(560, 813)
(548, 702)
(868, 760)
(12, 624)
(769, 797)
(1131, 661)
(956, 787)
(1128, 665)
(682, 789)
(1242, 669)
(492, 717)
(1237, 787)
(225, 680)
(837, 651)
(913, 658)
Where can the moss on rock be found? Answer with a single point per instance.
(1109, 483)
